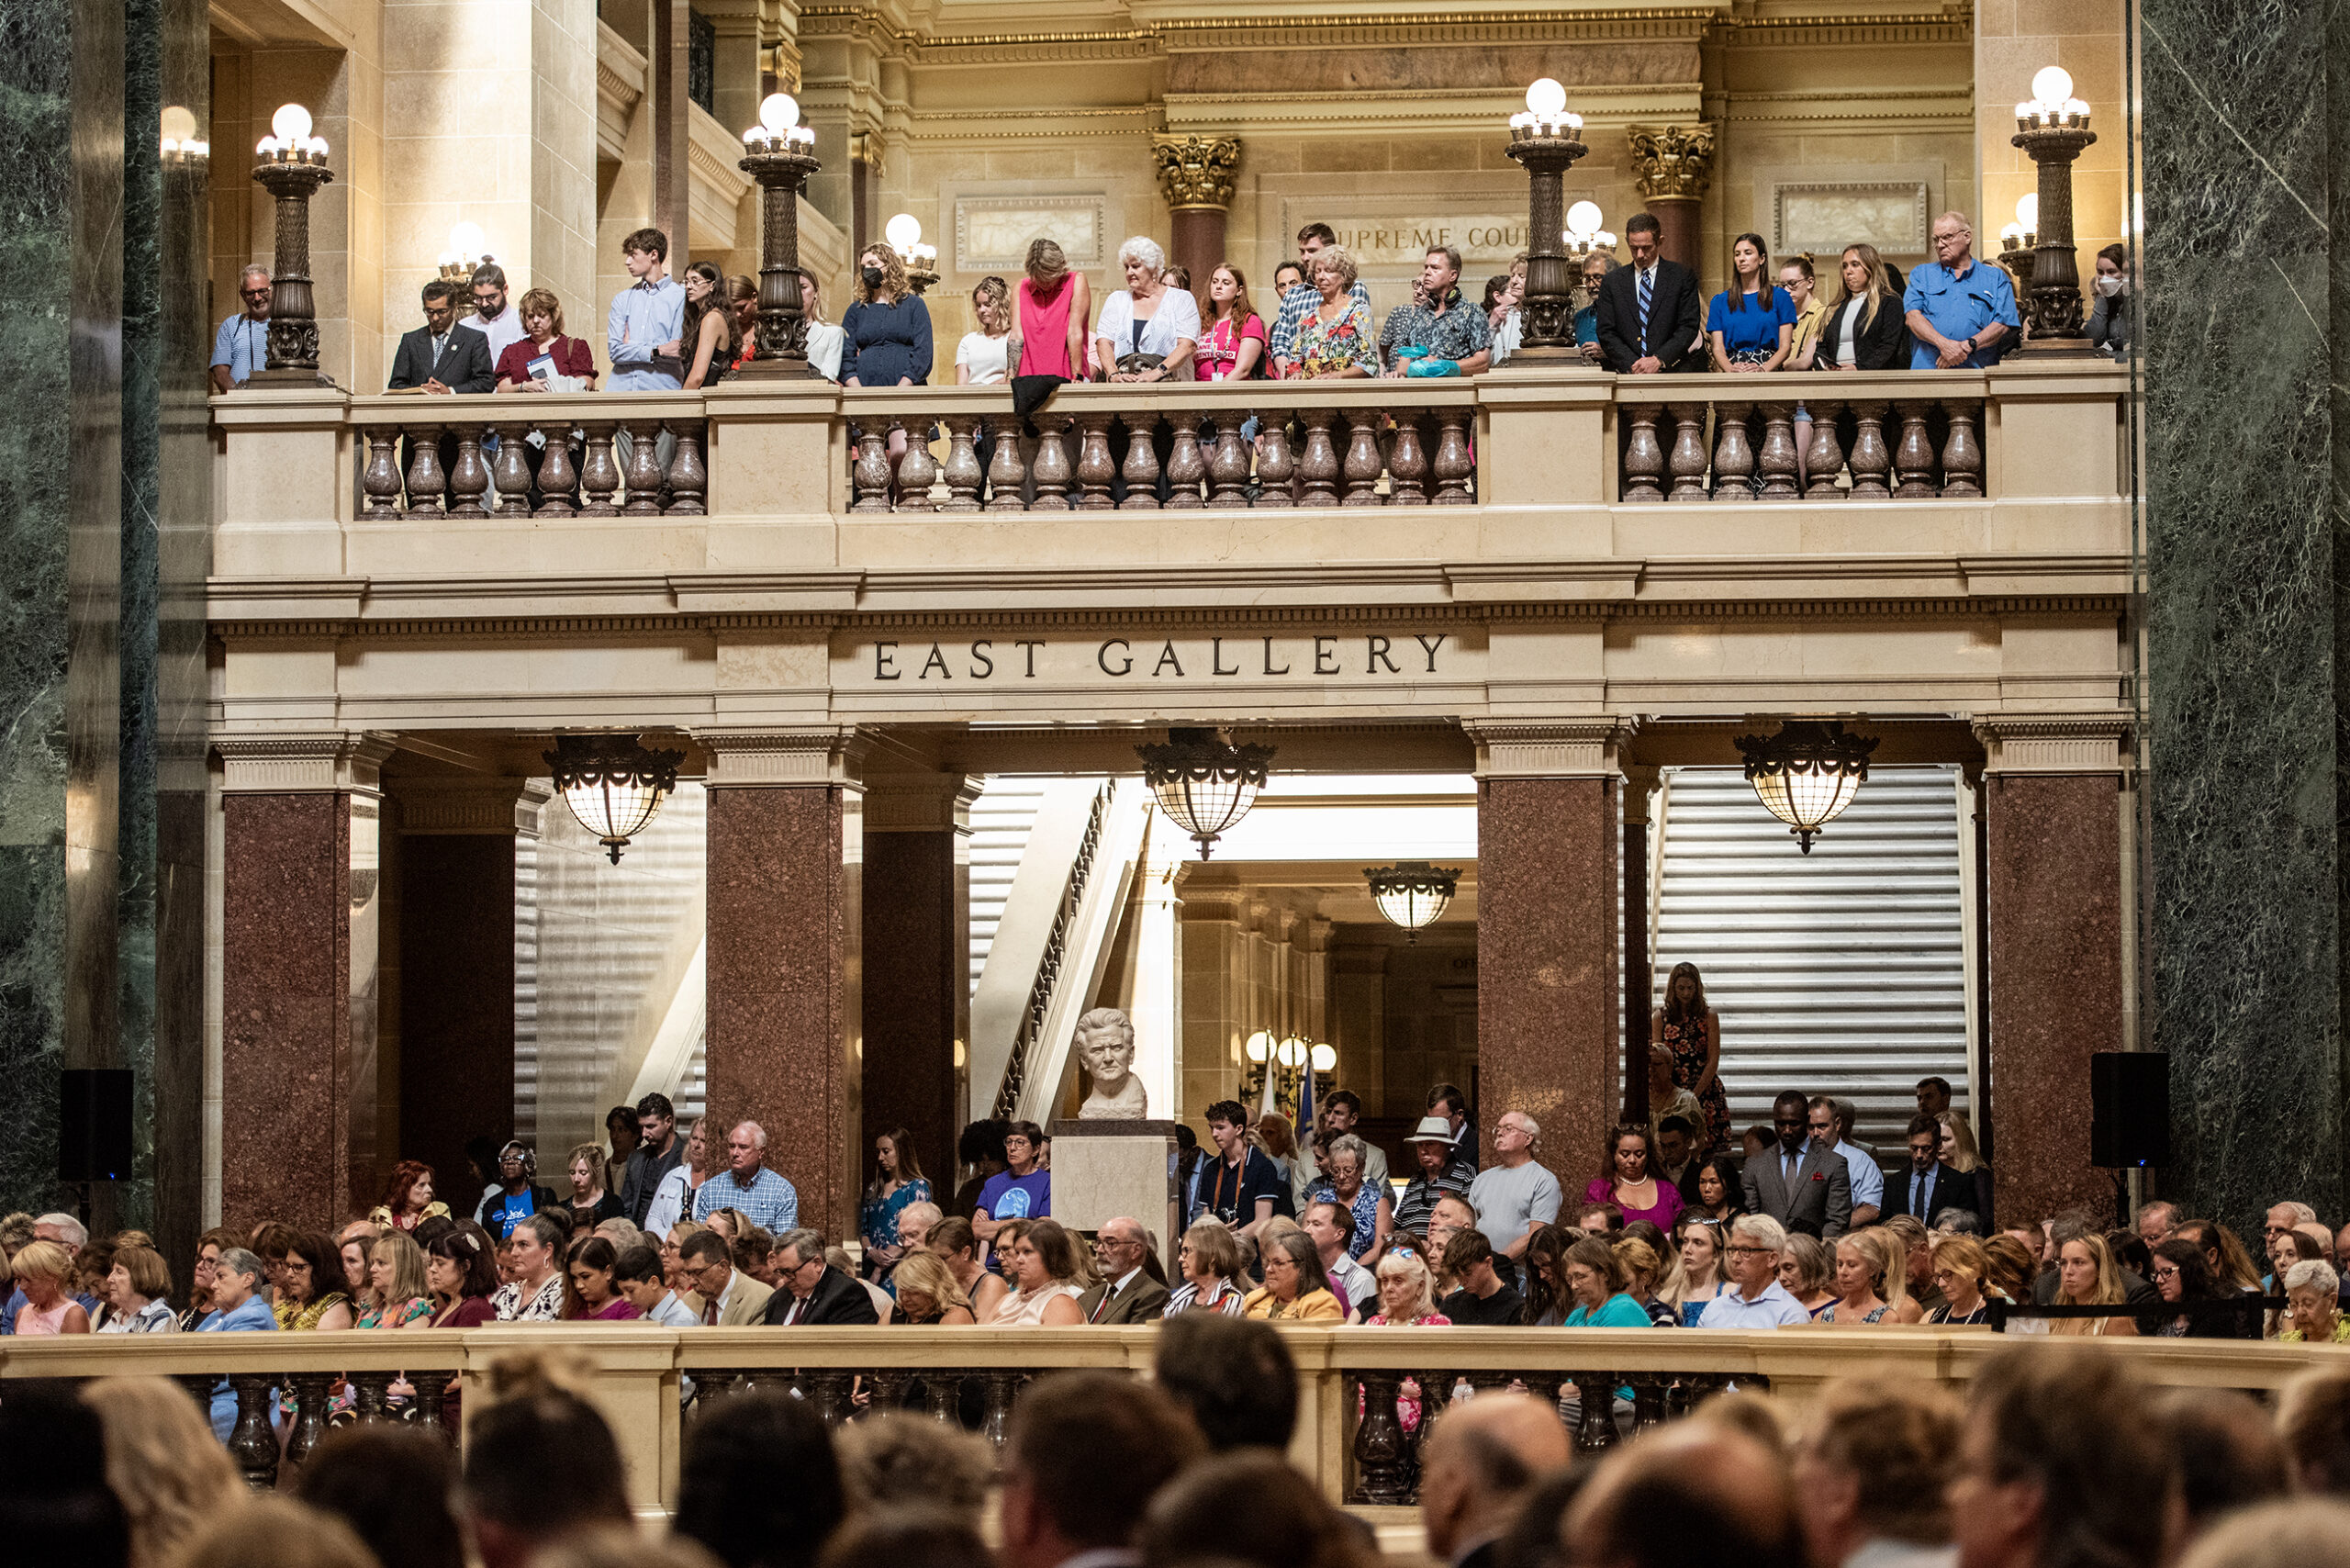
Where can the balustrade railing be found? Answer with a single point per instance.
(1351, 1433)
(464, 461)
(1870, 438)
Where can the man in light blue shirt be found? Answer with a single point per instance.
(1753, 1261)
(749, 1186)
(237, 1307)
(646, 328)
(1825, 1117)
(1960, 311)
(241, 346)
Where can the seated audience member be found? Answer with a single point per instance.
(1482, 1300)
(729, 1298)
(395, 1486)
(44, 1274)
(2313, 1423)
(1599, 1218)
(2307, 1532)
(1695, 1274)
(1962, 1271)
(907, 1537)
(2183, 1279)
(905, 1460)
(2087, 1275)
(2007, 1268)
(1872, 1467)
(161, 1463)
(1806, 1269)
(928, 1295)
(2227, 1450)
(277, 1532)
(1086, 1453)
(759, 1484)
(1633, 1183)
(1328, 1226)
(591, 1293)
(637, 1275)
(913, 1225)
(1872, 1269)
(1477, 1468)
(1233, 1376)
(535, 1293)
(1368, 1209)
(1047, 1275)
(409, 1200)
(813, 1291)
(1757, 1300)
(954, 1244)
(1296, 1290)
(400, 1291)
(2232, 1266)
(1287, 1523)
(237, 1307)
(1406, 1300)
(1703, 1491)
(1132, 1288)
(1719, 1194)
(461, 1270)
(1643, 1271)
(2061, 1460)
(2314, 1291)
(1595, 1282)
(1210, 1264)
(514, 1449)
(443, 355)
(1546, 1298)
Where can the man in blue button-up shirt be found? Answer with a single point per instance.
(647, 321)
(241, 347)
(1960, 311)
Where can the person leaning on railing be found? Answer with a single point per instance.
(1333, 339)
(712, 339)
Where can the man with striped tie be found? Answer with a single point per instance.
(1648, 314)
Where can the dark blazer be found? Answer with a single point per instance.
(1143, 1300)
(1687, 1185)
(1882, 344)
(643, 1177)
(836, 1299)
(464, 364)
(1946, 1188)
(1821, 1204)
(1675, 315)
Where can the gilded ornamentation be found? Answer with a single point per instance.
(1673, 161)
(1196, 171)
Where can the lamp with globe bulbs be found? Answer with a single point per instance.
(1546, 139)
(779, 153)
(181, 146)
(1285, 1059)
(2053, 127)
(904, 233)
(464, 252)
(293, 167)
(1584, 234)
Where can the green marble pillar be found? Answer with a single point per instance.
(2246, 478)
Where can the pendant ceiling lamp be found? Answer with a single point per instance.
(1204, 783)
(1411, 894)
(612, 784)
(1807, 773)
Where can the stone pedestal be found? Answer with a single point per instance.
(1112, 1170)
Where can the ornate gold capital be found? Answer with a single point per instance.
(1672, 160)
(1196, 171)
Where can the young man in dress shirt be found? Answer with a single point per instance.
(1828, 1130)
(648, 319)
(1331, 1228)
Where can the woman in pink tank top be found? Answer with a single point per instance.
(1053, 305)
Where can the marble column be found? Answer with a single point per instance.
(303, 815)
(1674, 164)
(1547, 1000)
(786, 920)
(449, 1075)
(1195, 175)
(1155, 995)
(2053, 887)
(2241, 325)
(917, 941)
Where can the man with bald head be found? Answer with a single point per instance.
(1130, 1291)
(1479, 1463)
(1701, 1492)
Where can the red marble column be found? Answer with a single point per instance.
(1197, 236)
(297, 1035)
(2053, 883)
(785, 1028)
(1676, 239)
(917, 982)
(1547, 1003)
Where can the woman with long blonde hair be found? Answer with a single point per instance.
(2087, 1275)
(1958, 1151)
(1872, 1278)
(928, 1292)
(1863, 328)
(398, 1292)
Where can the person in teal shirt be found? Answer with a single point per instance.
(1596, 1280)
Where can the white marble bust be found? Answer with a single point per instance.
(1105, 1044)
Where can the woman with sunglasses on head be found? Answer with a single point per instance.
(1693, 1277)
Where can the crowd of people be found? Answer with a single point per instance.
(2055, 1458)
(1642, 314)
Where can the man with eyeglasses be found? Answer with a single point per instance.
(241, 346)
(1751, 1261)
(1128, 1291)
(811, 1291)
(729, 1298)
(1961, 313)
(495, 316)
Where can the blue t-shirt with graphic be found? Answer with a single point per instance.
(1006, 1196)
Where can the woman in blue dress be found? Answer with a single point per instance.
(898, 1182)
(1751, 324)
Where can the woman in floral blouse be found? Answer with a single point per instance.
(1334, 339)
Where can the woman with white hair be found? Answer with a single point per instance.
(2313, 1292)
(1406, 1300)
(1148, 331)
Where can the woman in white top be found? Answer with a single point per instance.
(1047, 1275)
(673, 1200)
(1146, 318)
(980, 358)
(825, 338)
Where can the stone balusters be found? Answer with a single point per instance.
(642, 474)
(687, 480)
(1052, 470)
(469, 479)
(1688, 462)
(1407, 466)
(1363, 465)
(1382, 1474)
(996, 1408)
(1776, 461)
(426, 482)
(1276, 465)
(312, 1395)
(1141, 468)
(1186, 468)
(510, 474)
(1733, 454)
(1872, 462)
(1825, 462)
(1228, 466)
(917, 475)
(1456, 468)
(964, 476)
(1317, 468)
(1913, 458)
(1095, 471)
(557, 478)
(252, 1442)
(379, 480)
(942, 1394)
(1597, 1430)
(1006, 473)
(871, 474)
(1643, 456)
(600, 474)
(1962, 454)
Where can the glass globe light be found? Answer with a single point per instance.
(1411, 894)
(179, 125)
(1292, 1052)
(2053, 85)
(2077, 108)
(318, 148)
(1260, 1046)
(779, 112)
(1548, 98)
(2028, 212)
(1807, 773)
(903, 231)
(1585, 217)
(1326, 1057)
(266, 147)
(613, 786)
(291, 123)
(465, 239)
(1204, 785)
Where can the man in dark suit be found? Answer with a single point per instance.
(1930, 1184)
(1677, 1137)
(1804, 1187)
(812, 1291)
(1131, 1290)
(442, 356)
(1650, 316)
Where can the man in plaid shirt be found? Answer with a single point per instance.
(1305, 296)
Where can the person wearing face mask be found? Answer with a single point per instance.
(2108, 326)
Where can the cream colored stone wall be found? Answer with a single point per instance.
(2013, 40)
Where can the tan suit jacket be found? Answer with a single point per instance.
(746, 1300)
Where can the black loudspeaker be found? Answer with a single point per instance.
(2129, 1109)
(94, 1131)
